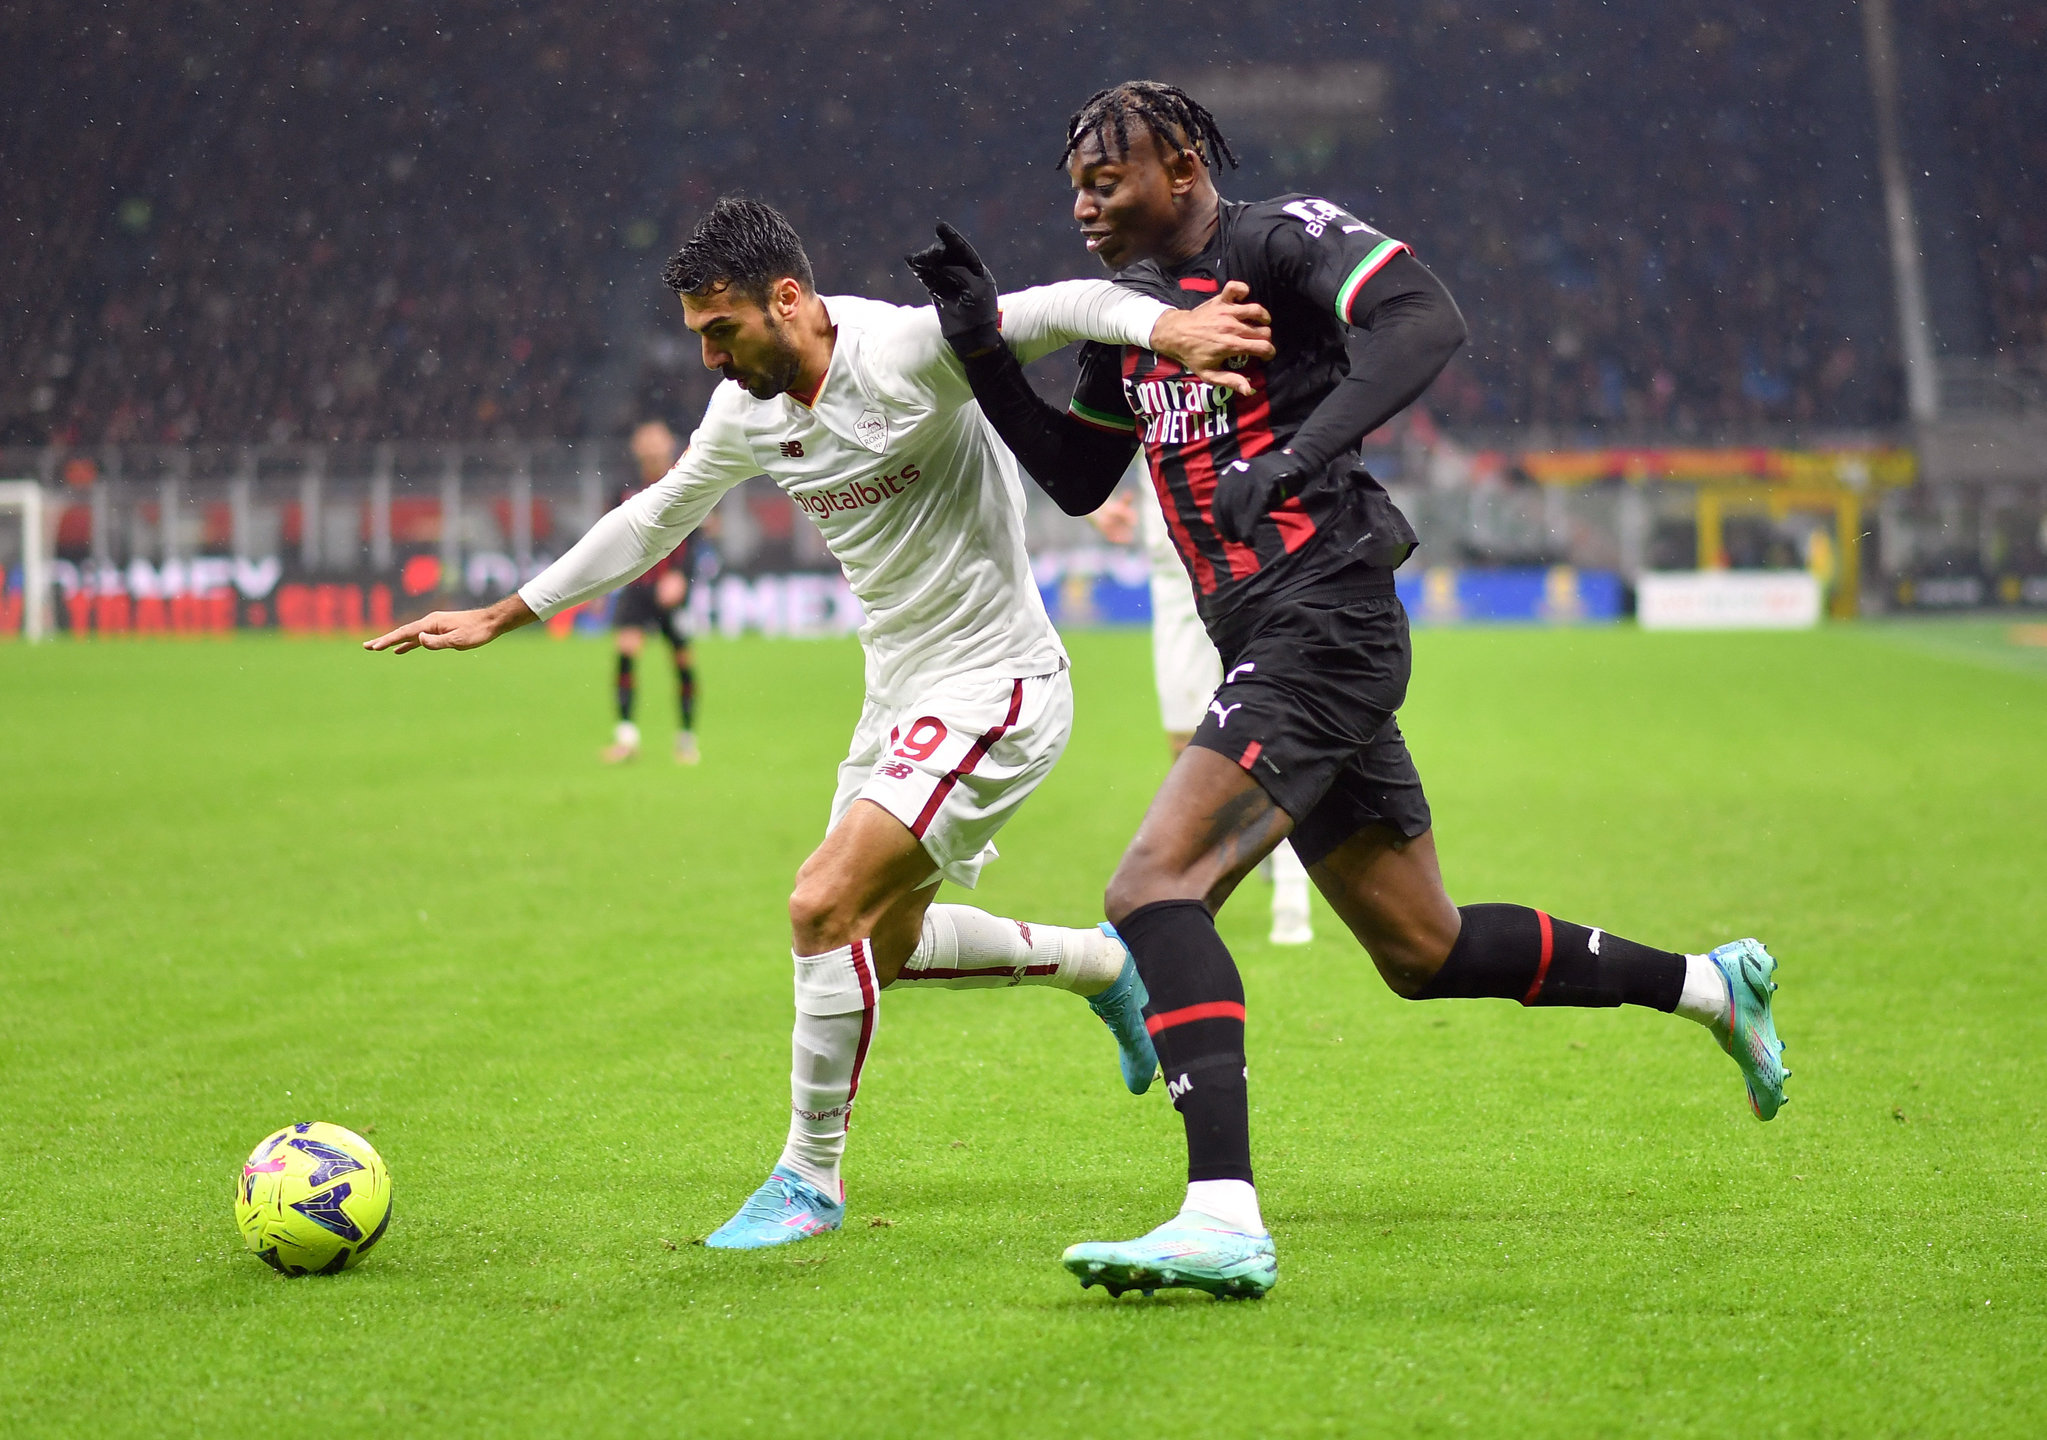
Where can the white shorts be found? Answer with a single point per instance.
(955, 763)
(1183, 661)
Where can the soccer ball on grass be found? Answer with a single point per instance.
(313, 1199)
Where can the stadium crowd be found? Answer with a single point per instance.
(1996, 57)
(309, 223)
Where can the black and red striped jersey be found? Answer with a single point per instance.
(1305, 260)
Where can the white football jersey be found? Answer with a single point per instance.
(919, 501)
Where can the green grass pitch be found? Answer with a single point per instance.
(249, 882)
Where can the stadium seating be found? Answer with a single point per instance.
(447, 222)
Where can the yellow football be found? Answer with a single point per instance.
(313, 1198)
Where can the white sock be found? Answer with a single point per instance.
(967, 949)
(1234, 1202)
(1705, 998)
(1290, 922)
(838, 1005)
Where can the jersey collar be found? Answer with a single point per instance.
(1204, 267)
(809, 402)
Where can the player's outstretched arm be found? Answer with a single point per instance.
(1077, 466)
(975, 318)
(456, 629)
(1216, 335)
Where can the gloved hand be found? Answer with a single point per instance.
(962, 290)
(1249, 490)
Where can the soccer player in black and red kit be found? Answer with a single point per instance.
(655, 601)
(1292, 546)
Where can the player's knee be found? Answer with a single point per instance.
(817, 917)
(1409, 960)
(1403, 974)
(1128, 889)
(1140, 880)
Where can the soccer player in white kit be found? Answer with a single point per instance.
(861, 412)
(1186, 671)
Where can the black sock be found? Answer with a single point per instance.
(1516, 953)
(686, 689)
(625, 686)
(1196, 1019)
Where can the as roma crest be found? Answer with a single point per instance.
(871, 429)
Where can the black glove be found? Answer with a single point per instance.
(1249, 490)
(962, 290)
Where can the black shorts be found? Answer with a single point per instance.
(1307, 705)
(637, 609)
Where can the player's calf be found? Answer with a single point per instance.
(1515, 953)
(962, 948)
(838, 1007)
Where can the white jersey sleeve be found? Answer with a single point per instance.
(1035, 322)
(1046, 318)
(627, 540)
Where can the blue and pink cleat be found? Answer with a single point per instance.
(1121, 1008)
(1751, 1033)
(1189, 1251)
(781, 1212)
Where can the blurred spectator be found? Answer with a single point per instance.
(315, 221)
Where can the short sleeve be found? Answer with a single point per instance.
(1323, 252)
(1098, 398)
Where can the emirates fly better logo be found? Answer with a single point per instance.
(1178, 412)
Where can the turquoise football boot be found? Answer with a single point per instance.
(1751, 1035)
(1189, 1251)
(1121, 1007)
(781, 1212)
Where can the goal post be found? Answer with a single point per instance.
(25, 498)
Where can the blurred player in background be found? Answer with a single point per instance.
(1291, 544)
(655, 601)
(860, 411)
(1186, 671)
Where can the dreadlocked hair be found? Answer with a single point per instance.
(1173, 117)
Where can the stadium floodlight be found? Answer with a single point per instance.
(27, 497)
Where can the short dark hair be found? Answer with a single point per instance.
(746, 245)
(1175, 119)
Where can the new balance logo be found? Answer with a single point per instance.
(792, 449)
(895, 770)
(1222, 712)
(1176, 1088)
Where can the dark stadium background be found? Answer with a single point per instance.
(234, 234)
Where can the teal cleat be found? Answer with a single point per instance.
(1189, 1251)
(1121, 1007)
(781, 1212)
(1751, 1038)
